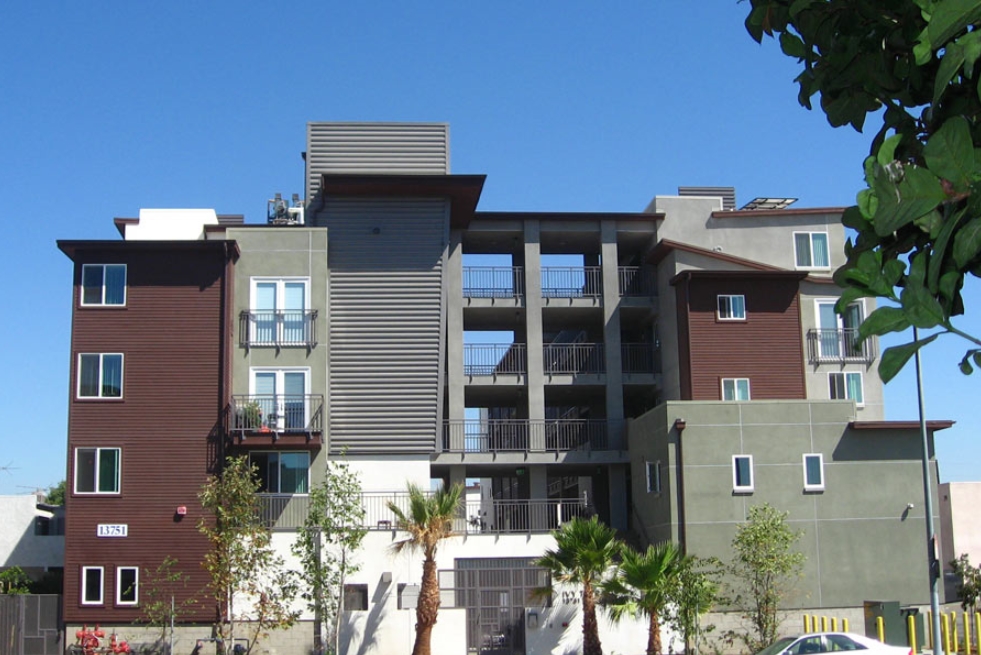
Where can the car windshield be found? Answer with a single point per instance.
(776, 646)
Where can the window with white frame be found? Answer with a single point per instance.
(742, 473)
(283, 397)
(97, 470)
(838, 333)
(127, 585)
(732, 307)
(813, 472)
(100, 375)
(811, 250)
(103, 285)
(735, 388)
(282, 472)
(654, 477)
(91, 591)
(279, 313)
(846, 385)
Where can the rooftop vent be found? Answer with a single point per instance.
(280, 212)
(768, 203)
(727, 193)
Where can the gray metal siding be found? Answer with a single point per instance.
(376, 148)
(386, 323)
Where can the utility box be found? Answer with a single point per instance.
(894, 623)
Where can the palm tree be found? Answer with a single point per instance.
(644, 584)
(428, 521)
(585, 550)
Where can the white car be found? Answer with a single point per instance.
(832, 642)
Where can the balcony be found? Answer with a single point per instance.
(637, 282)
(526, 435)
(574, 358)
(493, 282)
(278, 328)
(572, 282)
(277, 415)
(838, 346)
(283, 511)
(639, 359)
(494, 359)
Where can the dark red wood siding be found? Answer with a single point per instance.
(173, 333)
(766, 347)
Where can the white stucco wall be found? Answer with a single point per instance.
(171, 225)
(19, 546)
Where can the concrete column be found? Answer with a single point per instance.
(454, 338)
(618, 496)
(533, 330)
(611, 331)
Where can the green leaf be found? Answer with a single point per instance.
(950, 63)
(965, 364)
(895, 358)
(867, 204)
(792, 46)
(923, 50)
(971, 42)
(948, 285)
(950, 17)
(949, 153)
(940, 246)
(976, 354)
(887, 151)
(920, 306)
(850, 295)
(916, 194)
(967, 242)
(882, 321)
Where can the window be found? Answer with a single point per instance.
(92, 585)
(279, 313)
(811, 249)
(355, 597)
(732, 308)
(654, 477)
(838, 333)
(846, 386)
(282, 472)
(97, 470)
(735, 388)
(127, 581)
(742, 473)
(282, 397)
(103, 284)
(100, 375)
(814, 472)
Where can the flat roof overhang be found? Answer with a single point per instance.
(71, 247)
(463, 191)
(931, 426)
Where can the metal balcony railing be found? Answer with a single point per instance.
(481, 516)
(280, 328)
(283, 511)
(493, 282)
(526, 435)
(572, 282)
(637, 281)
(839, 345)
(574, 358)
(638, 358)
(494, 358)
(278, 413)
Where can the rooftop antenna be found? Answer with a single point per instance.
(8, 468)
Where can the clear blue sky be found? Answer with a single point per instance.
(107, 107)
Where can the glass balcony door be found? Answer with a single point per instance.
(282, 398)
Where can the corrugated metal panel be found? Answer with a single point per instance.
(766, 347)
(727, 193)
(376, 148)
(171, 333)
(386, 323)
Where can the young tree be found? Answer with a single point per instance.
(428, 521)
(645, 583)
(333, 531)
(968, 582)
(584, 555)
(919, 219)
(694, 595)
(14, 581)
(55, 495)
(765, 567)
(242, 563)
(159, 589)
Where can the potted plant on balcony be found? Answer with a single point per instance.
(250, 416)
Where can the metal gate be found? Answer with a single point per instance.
(30, 624)
(495, 593)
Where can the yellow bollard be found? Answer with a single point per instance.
(911, 633)
(945, 632)
(929, 630)
(824, 624)
(967, 634)
(977, 629)
(955, 632)
(880, 629)
(834, 624)
(844, 625)
(807, 624)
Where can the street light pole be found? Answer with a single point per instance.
(934, 563)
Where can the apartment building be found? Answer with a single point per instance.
(664, 370)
